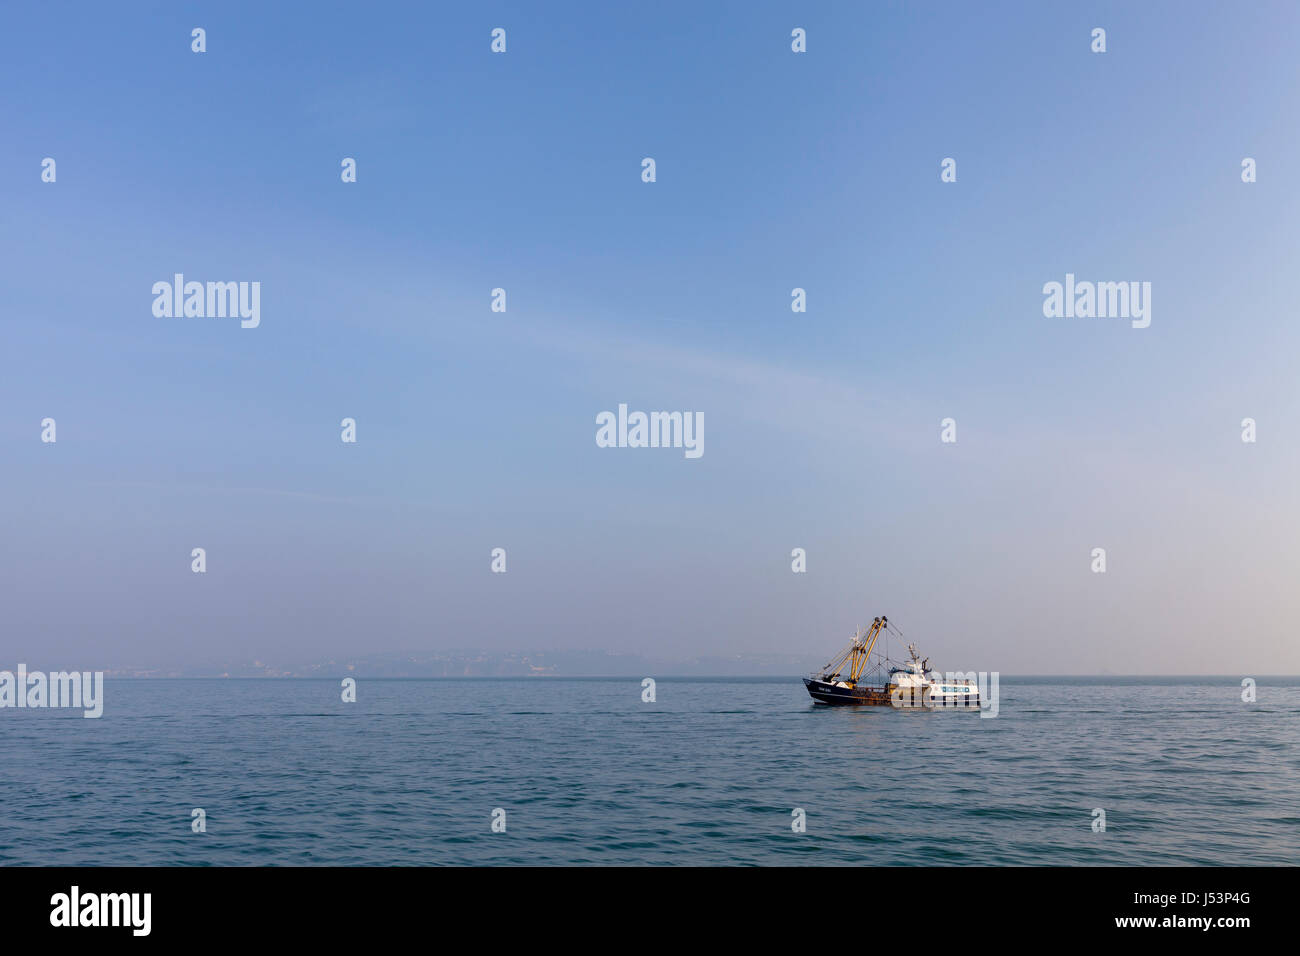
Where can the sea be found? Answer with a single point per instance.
(712, 772)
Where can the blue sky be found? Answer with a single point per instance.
(476, 429)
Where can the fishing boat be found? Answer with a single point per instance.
(851, 678)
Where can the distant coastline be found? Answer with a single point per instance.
(472, 664)
(579, 666)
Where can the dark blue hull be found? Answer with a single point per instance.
(827, 693)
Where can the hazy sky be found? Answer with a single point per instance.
(476, 429)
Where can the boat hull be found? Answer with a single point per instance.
(825, 692)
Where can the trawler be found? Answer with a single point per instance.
(848, 679)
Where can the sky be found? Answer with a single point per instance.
(475, 429)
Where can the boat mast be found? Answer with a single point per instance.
(861, 650)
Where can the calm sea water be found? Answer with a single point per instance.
(709, 774)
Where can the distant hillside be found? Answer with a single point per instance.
(482, 664)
